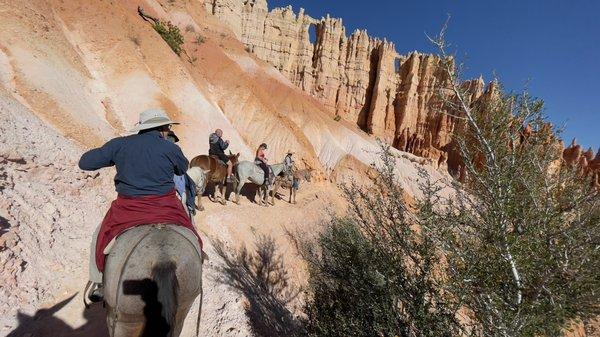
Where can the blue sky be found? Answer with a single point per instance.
(551, 47)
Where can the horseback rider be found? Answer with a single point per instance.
(217, 147)
(146, 164)
(262, 161)
(288, 162)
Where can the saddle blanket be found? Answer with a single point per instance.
(128, 212)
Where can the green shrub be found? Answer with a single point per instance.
(372, 274)
(171, 34)
(521, 235)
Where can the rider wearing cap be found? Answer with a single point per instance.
(217, 147)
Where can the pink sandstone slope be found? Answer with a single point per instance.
(74, 74)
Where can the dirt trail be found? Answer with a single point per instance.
(234, 303)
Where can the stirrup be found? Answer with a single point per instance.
(92, 293)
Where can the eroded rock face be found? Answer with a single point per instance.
(588, 164)
(360, 78)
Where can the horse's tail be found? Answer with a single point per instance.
(164, 274)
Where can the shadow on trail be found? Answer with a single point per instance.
(248, 191)
(261, 276)
(44, 323)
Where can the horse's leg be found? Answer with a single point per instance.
(275, 189)
(238, 190)
(291, 191)
(258, 197)
(266, 196)
(222, 192)
(199, 201)
(235, 186)
(219, 193)
(211, 196)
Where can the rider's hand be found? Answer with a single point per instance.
(227, 141)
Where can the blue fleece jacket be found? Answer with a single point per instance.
(145, 163)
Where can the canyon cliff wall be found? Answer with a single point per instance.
(362, 79)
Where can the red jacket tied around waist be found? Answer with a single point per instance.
(128, 212)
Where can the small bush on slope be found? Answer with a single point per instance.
(171, 34)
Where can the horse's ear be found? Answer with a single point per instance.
(237, 155)
(231, 154)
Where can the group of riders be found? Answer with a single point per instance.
(150, 172)
(217, 147)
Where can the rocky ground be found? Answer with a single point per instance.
(48, 210)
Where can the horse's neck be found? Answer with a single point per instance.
(301, 174)
(277, 168)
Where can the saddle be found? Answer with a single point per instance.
(222, 163)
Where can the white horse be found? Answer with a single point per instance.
(248, 171)
(200, 178)
(152, 276)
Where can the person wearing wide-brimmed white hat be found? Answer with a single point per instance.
(153, 119)
(288, 162)
(146, 163)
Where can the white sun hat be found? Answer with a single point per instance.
(152, 118)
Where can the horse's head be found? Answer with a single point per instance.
(234, 157)
(308, 174)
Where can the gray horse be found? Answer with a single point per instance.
(200, 178)
(153, 275)
(247, 171)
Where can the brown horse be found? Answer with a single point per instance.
(292, 181)
(217, 172)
